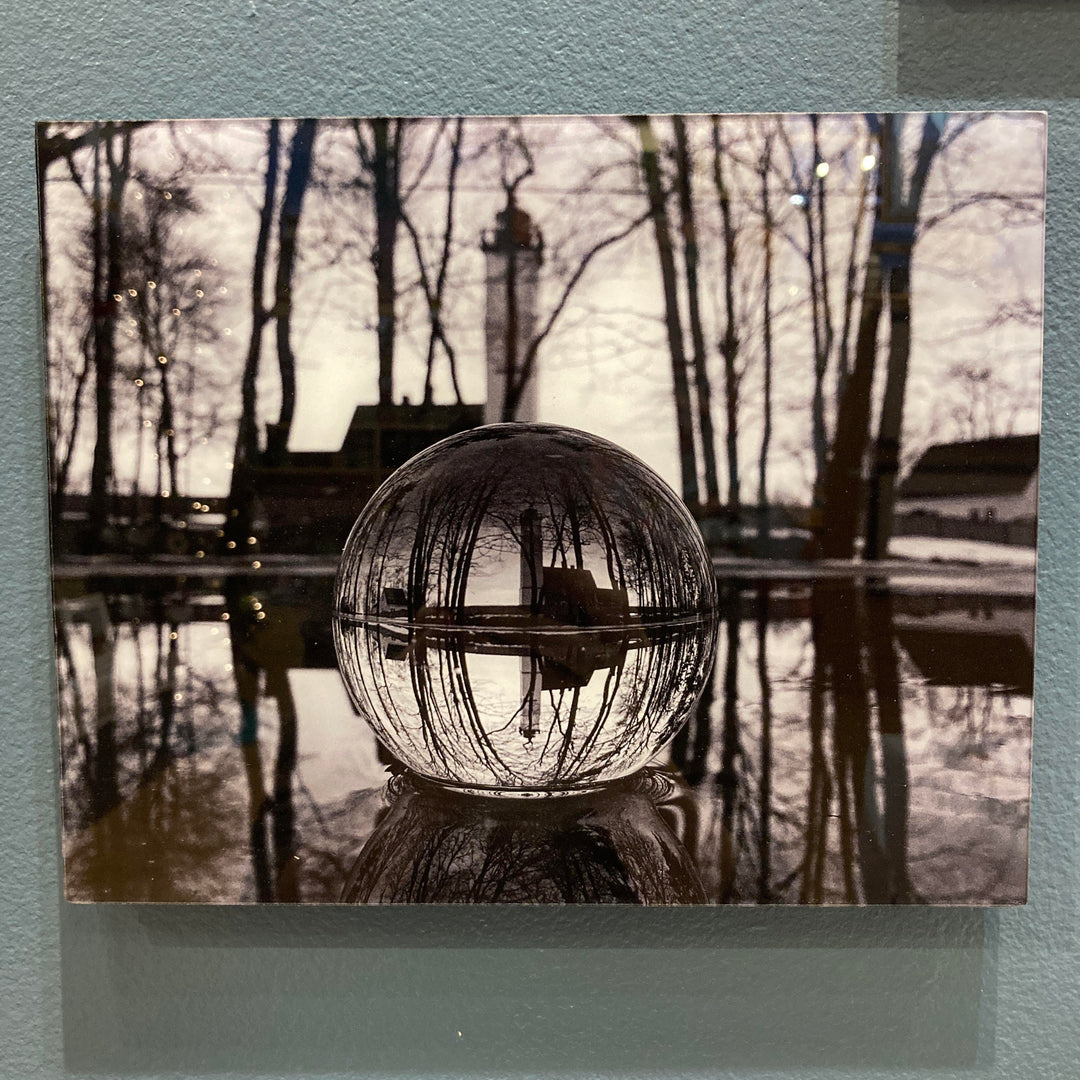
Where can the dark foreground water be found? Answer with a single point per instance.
(854, 745)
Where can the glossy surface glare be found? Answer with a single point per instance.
(525, 609)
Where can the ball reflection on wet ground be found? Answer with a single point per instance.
(525, 609)
(610, 846)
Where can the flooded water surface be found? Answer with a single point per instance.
(855, 743)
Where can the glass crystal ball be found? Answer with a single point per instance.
(526, 610)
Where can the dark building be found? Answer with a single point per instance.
(310, 499)
(985, 489)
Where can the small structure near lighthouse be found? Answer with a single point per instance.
(514, 253)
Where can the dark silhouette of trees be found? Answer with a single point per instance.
(902, 208)
(296, 184)
(650, 165)
(167, 298)
(246, 452)
(107, 246)
(435, 290)
(684, 172)
(381, 161)
(729, 338)
(764, 169)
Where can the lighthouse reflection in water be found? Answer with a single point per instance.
(525, 611)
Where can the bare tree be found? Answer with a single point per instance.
(573, 269)
(764, 169)
(650, 164)
(296, 183)
(241, 489)
(168, 300)
(902, 209)
(730, 341)
(435, 290)
(684, 172)
(108, 240)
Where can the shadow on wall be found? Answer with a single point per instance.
(382, 990)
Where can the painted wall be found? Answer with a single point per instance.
(717, 993)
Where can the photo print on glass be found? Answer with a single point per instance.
(544, 509)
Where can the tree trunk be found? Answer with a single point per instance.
(387, 214)
(107, 259)
(650, 165)
(824, 336)
(886, 463)
(242, 493)
(684, 174)
(842, 490)
(767, 351)
(435, 297)
(903, 214)
(512, 378)
(729, 342)
(843, 486)
(296, 183)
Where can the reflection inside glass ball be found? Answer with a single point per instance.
(525, 609)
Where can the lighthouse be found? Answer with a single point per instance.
(514, 253)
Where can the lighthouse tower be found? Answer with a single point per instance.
(514, 252)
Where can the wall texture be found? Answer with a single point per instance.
(141, 992)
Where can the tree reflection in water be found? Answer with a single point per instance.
(850, 746)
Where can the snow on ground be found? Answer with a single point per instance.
(973, 551)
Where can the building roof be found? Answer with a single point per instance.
(1001, 466)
